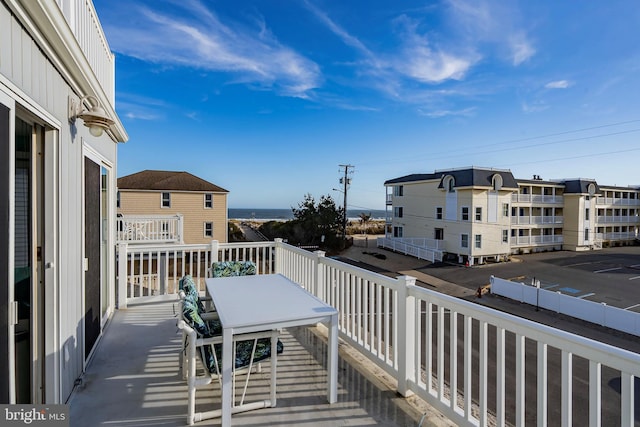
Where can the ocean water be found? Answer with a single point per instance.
(287, 214)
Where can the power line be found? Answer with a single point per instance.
(451, 152)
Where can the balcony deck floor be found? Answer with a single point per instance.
(133, 380)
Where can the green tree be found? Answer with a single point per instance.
(317, 223)
(314, 223)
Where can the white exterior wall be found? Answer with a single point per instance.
(420, 201)
(33, 76)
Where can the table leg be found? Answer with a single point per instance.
(227, 380)
(274, 367)
(332, 360)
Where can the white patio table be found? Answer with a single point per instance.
(256, 303)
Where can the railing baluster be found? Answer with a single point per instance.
(542, 385)
(595, 394)
(567, 388)
(387, 325)
(468, 335)
(627, 405)
(418, 347)
(428, 346)
(520, 380)
(440, 352)
(483, 366)
(500, 376)
(453, 360)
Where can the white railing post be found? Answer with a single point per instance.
(214, 251)
(180, 227)
(318, 286)
(278, 255)
(122, 275)
(406, 323)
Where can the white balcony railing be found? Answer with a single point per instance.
(536, 198)
(536, 240)
(150, 229)
(609, 219)
(617, 201)
(434, 345)
(537, 219)
(630, 235)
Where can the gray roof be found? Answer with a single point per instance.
(579, 186)
(479, 177)
(166, 181)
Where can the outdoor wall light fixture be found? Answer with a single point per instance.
(95, 119)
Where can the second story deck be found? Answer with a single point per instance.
(473, 364)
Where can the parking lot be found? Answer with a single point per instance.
(610, 275)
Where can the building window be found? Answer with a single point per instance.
(505, 236)
(438, 213)
(208, 229)
(398, 190)
(464, 240)
(586, 234)
(208, 201)
(397, 211)
(505, 209)
(465, 213)
(118, 199)
(478, 241)
(586, 214)
(439, 234)
(166, 200)
(397, 231)
(451, 183)
(479, 214)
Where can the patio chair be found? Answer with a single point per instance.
(203, 341)
(189, 287)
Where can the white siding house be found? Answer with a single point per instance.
(57, 192)
(475, 214)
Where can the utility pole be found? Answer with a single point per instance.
(345, 181)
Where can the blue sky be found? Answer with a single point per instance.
(267, 98)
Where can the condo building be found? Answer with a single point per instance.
(474, 214)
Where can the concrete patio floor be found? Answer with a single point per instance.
(133, 380)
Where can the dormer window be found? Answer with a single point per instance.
(450, 184)
(497, 182)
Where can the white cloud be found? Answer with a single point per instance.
(534, 107)
(558, 84)
(196, 38)
(496, 22)
(436, 114)
(521, 48)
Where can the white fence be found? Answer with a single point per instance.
(422, 249)
(468, 361)
(598, 313)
